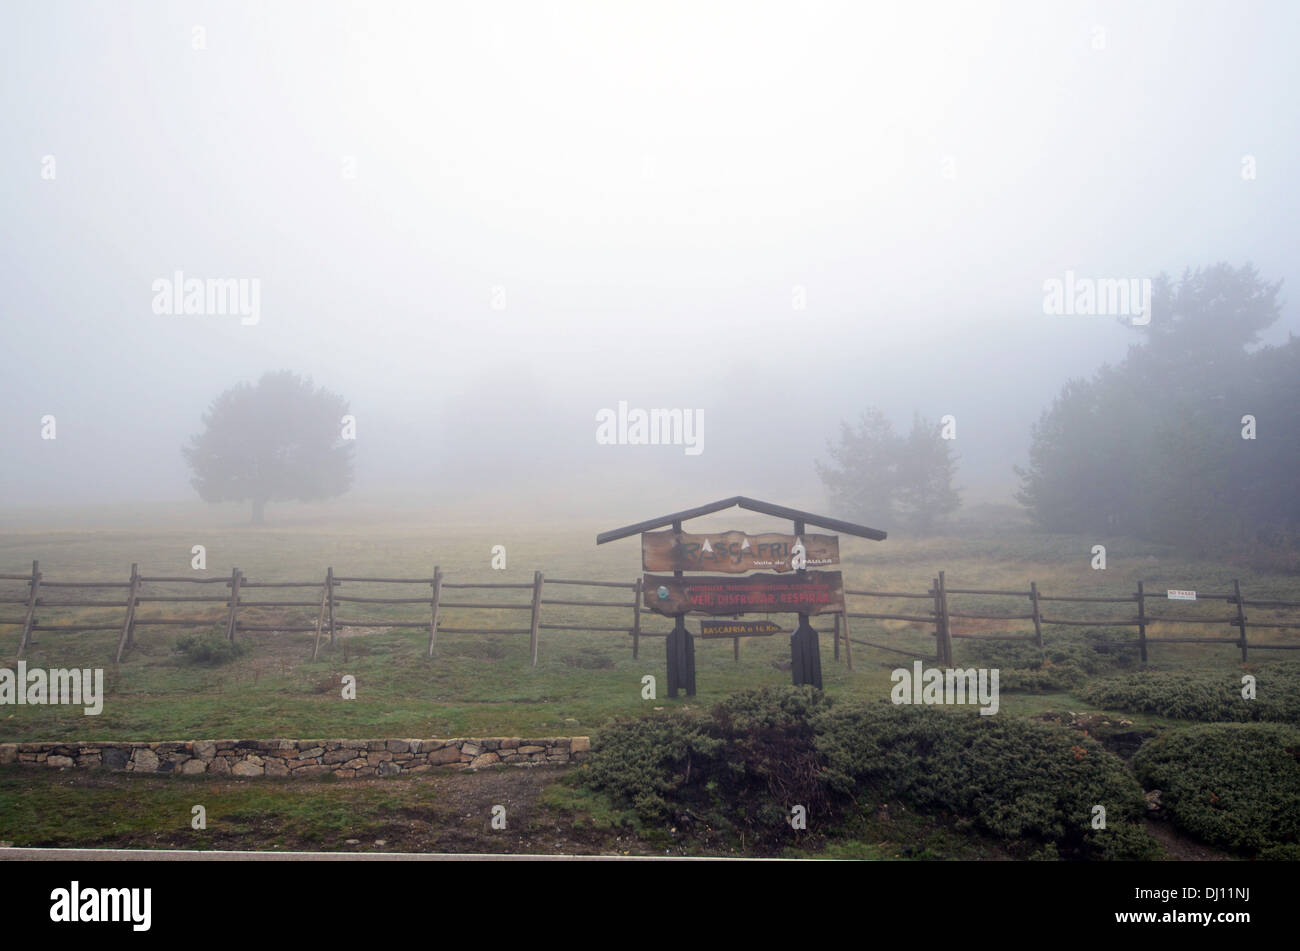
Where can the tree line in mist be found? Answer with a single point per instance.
(1193, 439)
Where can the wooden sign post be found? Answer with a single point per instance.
(802, 591)
(681, 648)
(805, 650)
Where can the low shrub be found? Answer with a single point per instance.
(1065, 662)
(738, 769)
(1235, 785)
(646, 762)
(772, 707)
(1204, 696)
(1023, 781)
(210, 649)
(772, 756)
(759, 752)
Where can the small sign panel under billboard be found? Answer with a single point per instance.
(1178, 594)
(710, 627)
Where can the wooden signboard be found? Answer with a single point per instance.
(812, 592)
(713, 628)
(734, 552)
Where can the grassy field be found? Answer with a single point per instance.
(481, 685)
(443, 811)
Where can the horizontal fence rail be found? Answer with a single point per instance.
(937, 612)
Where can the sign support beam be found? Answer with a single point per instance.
(805, 649)
(681, 650)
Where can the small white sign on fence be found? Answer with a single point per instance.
(1176, 594)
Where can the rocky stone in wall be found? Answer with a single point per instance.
(283, 757)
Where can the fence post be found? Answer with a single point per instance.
(1038, 620)
(233, 620)
(133, 596)
(537, 610)
(636, 619)
(805, 643)
(1142, 622)
(735, 649)
(26, 637)
(1241, 618)
(329, 588)
(947, 632)
(835, 636)
(938, 622)
(320, 615)
(433, 609)
(848, 648)
(680, 648)
(128, 624)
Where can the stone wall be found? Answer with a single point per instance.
(343, 758)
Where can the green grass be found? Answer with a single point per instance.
(483, 684)
(591, 809)
(157, 811)
(897, 834)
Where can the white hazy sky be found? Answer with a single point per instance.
(647, 185)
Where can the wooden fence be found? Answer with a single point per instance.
(941, 615)
(328, 605)
(938, 612)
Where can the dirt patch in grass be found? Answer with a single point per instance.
(1182, 848)
(1118, 734)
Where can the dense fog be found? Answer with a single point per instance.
(482, 225)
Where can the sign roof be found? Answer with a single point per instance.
(754, 505)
